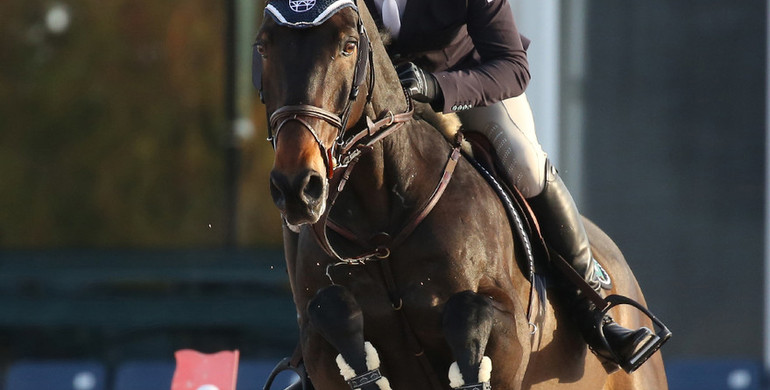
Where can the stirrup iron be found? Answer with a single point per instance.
(285, 365)
(661, 334)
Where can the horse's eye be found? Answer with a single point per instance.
(350, 48)
(261, 50)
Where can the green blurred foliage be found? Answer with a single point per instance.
(113, 132)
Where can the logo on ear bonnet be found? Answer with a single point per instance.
(301, 5)
(305, 13)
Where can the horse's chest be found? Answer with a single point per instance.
(382, 290)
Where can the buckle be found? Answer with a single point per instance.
(365, 379)
(475, 386)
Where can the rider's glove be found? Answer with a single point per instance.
(421, 85)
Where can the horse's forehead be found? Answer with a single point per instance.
(305, 13)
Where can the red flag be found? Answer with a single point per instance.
(199, 371)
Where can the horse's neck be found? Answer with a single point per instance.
(381, 185)
(365, 191)
(394, 178)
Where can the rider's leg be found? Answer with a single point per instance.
(510, 128)
(559, 218)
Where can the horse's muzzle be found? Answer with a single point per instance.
(301, 197)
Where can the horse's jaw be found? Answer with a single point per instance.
(293, 228)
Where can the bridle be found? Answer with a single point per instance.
(341, 157)
(334, 155)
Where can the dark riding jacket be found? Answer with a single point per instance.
(472, 47)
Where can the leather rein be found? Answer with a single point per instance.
(380, 246)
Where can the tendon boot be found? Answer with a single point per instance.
(563, 230)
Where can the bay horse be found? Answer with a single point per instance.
(401, 277)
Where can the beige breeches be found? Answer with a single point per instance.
(510, 128)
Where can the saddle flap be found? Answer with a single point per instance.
(484, 154)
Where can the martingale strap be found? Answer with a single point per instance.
(381, 250)
(375, 131)
(350, 152)
(419, 216)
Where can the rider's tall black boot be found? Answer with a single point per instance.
(562, 227)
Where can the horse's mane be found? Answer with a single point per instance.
(447, 124)
(384, 35)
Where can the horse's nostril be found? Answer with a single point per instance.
(314, 188)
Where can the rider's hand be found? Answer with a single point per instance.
(421, 85)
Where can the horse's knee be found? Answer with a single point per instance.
(337, 317)
(335, 314)
(334, 309)
(467, 323)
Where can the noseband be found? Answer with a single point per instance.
(296, 113)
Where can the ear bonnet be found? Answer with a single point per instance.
(305, 13)
(311, 13)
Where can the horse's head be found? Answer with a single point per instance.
(310, 61)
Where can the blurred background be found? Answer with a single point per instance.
(135, 217)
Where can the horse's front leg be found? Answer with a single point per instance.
(467, 326)
(470, 320)
(337, 317)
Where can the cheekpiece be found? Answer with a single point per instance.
(305, 13)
